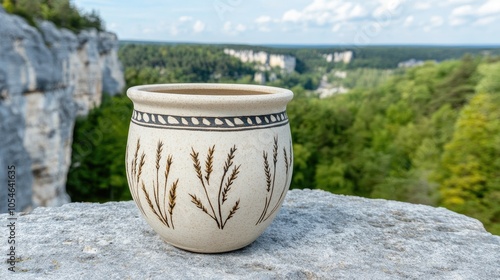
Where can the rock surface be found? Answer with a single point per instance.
(48, 76)
(316, 235)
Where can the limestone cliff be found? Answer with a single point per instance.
(48, 76)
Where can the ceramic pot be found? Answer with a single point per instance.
(209, 165)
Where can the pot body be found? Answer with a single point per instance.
(209, 165)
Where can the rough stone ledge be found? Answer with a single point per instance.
(316, 235)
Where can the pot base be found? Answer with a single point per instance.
(201, 251)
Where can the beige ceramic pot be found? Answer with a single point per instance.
(209, 165)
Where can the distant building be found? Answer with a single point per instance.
(260, 78)
(285, 62)
(337, 57)
(410, 63)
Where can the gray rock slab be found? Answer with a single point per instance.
(317, 235)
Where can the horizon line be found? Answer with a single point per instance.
(496, 45)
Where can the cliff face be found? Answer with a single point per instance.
(48, 76)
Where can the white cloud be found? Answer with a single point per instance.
(227, 26)
(457, 21)
(174, 30)
(460, 1)
(476, 14)
(465, 10)
(198, 26)
(336, 27)
(489, 8)
(485, 21)
(357, 11)
(326, 13)
(240, 28)
(391, 4)
(422, 5)
(435, 21)
(184, 25)
(409, 21)
(388, 7)
(233, 29)
(263, 19)
(185, 18)
(292, 15)
(263, 23)
(264, 29)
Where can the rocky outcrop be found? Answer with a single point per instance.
(264, 60)
(316, 235)
(337, 57)
(48, 76)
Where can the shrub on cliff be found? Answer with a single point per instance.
(62, 13)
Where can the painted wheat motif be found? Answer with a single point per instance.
(157, 201)
(271, 180)
(209, 163)
(288, 165)
(230, 181)
(195, 200)
(226, 182)
(171, 201)
(232, 212)
(267, 171)
(134, 172)
(198, 204)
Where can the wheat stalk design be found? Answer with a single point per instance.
(200, 205)
(157, 205)
(275, 150)
(288, 165)
(139, 173)
(232, 212)
(130, 176)
(225, 184)
(230, 181)
(171, 201)
(156, 187)
(168, 164)
(227, 165)
(267, 171)
(134, 163)
(151, 205)
(209, 163)
(133, 179)
(196, 163)
(195, 200)
(270, 183)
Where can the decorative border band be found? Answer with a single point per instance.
(236, 123)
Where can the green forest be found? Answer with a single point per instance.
(428, 134)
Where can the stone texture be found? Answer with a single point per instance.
(48, 76)
(316, 235)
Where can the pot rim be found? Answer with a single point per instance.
(233, 94)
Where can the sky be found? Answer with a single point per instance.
(303, 22)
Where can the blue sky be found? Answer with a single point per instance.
(450, 22)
